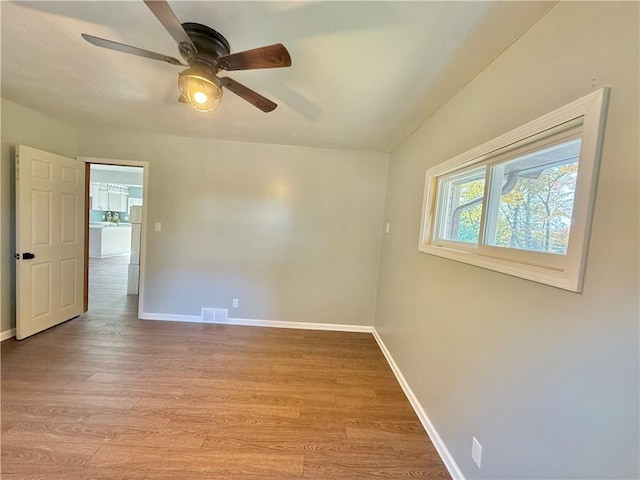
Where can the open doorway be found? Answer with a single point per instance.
(115, 202)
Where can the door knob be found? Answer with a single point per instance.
(28, 256)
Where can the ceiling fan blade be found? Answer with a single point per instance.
(249, 95)
(271, 56)
(121, 47)
(170, 22)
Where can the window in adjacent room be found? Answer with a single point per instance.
(521, 203)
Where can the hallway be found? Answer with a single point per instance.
(108, 286)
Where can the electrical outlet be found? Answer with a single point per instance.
(476, 451)
(235, 303)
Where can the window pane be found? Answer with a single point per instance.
(536, 201)
(461, 206)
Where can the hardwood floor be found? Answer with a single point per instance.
(108, 396)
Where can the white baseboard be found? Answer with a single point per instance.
(300, 325)
(7, 334)
(166, 317)
(251, 322)
(444, 453)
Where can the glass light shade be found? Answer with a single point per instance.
(198, 91)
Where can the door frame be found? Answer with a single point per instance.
(143, 227)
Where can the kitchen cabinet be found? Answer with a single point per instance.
(109, 196)
(124, 202)
(99, 198)
(114, 201)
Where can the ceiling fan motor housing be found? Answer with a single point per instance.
(209, 43)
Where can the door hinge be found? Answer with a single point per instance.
(17, 167)
(17, 256)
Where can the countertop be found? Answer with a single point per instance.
(109, 225)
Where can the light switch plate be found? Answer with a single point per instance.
(476, 452)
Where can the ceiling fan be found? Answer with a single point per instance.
(205, 52)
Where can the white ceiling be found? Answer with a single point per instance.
(116, 168)
(132, 176)
(364, 74)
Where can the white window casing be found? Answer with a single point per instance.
(578, 123)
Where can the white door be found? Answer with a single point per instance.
(50, 221)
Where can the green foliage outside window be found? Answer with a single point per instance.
(534, 215)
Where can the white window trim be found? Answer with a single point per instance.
(562, 271)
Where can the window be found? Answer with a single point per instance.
(521, 203)
(460, 199)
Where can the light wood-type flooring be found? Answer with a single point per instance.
(108, 396)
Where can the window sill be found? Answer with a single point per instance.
(555, 277)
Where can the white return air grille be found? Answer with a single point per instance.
(214, 315)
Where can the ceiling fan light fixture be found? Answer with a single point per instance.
(206, 53)
(198, 90)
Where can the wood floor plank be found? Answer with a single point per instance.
(187, 406)
(398, 400)
(365, 466)
(256, 426)
(75, 388)
(21, 452)
(353, 414)
(42, 413)
(129, 418)
(162, 475)
(96, 434)
(70, 399)
(293, 398)
(384, 429)
(168, 437)
(108, 396)
(49, 472)
(58, 433)
(176, 461)
(318, 445)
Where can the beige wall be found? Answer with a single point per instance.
(547, 380)
(294, 233)
(22, 126)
